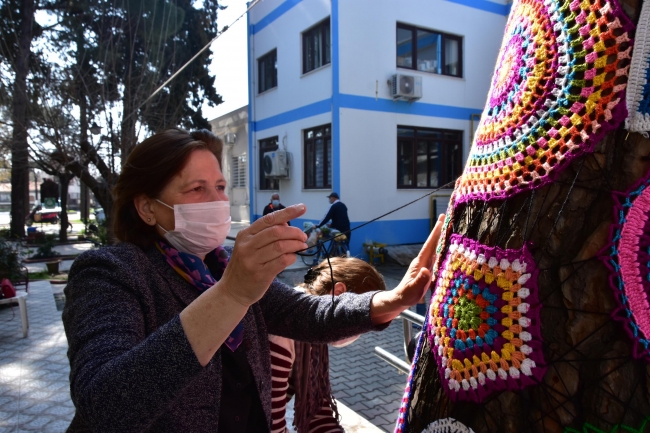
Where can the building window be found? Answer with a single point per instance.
(429, 51)
(318, 157)
(267, 68)
(316, 47)
(428, 158)
(267, 145)
(238, 171)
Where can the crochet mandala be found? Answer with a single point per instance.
(559, 78)
(638, 91)
(628, 258)
(447, 425)
(483, 325)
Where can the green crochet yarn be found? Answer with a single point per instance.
(467, 313)
(618, 428)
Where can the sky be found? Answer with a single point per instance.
(229, 63)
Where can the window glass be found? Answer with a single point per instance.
(428, 43)
(318, 157)
(268, 71)
(434, 171)
(404, 48)
(405, 163)
(452, 60)
(316, 47)
(428, 158)
(405, 132)
(429, 51)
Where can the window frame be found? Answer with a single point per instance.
(268, 144)
(414, 52)
(273, 55)
(444, 144)
(311, 165)
(326, 45)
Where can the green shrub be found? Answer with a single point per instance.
(10, 261)
(47, 249)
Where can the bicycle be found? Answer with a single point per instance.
(319, 251)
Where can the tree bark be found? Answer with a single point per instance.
(64, 182)
(592, 376)
(19, 147)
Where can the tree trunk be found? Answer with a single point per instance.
(592, 376)
(64, 182)
(19, 147)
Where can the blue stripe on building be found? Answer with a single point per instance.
(272, 16)
(251, 189)
(336, 100)
(368, 104)
(417, 108)
(485, 5)
(309, 110)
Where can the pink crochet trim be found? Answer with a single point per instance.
(627, 256)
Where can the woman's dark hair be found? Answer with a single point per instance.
(148, 169)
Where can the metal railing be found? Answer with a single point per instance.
(407, 317)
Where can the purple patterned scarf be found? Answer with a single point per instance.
(195, 272)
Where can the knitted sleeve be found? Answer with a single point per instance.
(122, 375)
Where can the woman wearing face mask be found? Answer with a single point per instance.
(168, 330)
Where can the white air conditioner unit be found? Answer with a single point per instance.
(276, 164)
(230, 138)
(406, 87)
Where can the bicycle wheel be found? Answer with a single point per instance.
(338, 249)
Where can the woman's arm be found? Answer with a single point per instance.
(387, 305)
(262, 251)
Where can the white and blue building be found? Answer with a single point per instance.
(321, 88)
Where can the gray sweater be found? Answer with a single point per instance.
(132, 368)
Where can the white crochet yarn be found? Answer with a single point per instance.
(447, 425)
(639, 68)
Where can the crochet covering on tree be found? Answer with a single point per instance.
(628, 258)
(559, 78)
(483, 325)
(638, 89)
(447, 425)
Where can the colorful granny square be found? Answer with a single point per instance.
(638, 88)
(483, 325)
(628, 258)
(559, 78)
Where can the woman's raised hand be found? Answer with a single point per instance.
(385, 306)
(262, 251)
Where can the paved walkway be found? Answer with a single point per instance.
(34, 384)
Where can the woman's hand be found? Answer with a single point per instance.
(386, 306)
(262, 251)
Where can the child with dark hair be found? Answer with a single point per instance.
(303, 368)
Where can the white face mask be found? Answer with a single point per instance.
(199, 227)
(344, 342)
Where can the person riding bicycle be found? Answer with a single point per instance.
(338, 214)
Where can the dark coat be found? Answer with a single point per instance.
(338, 213)
(132, 367)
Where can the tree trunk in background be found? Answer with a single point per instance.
(64, 182)
(592, 376)
(19, 148)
